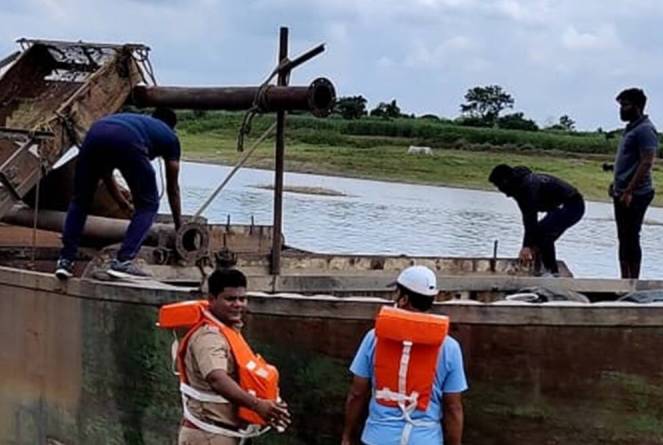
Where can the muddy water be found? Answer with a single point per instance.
(393, 218)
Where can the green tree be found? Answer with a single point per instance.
(486, 103)
(385, 110)
(517, 121)
(567, 123)
(351, 107)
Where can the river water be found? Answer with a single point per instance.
(392, 218)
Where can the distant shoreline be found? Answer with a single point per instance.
(331, 174)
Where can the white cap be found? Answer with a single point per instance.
(419, 279)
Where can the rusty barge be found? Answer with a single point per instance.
(83, 362)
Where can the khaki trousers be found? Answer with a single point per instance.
(190, 436)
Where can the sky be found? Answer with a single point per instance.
(553, 56)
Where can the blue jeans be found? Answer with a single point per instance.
(108, 147)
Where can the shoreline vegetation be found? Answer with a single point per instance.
(370, 148)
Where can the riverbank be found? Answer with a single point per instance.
(446, 167)
(376, 149)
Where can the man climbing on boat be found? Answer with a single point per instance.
(229, 394)
(127, 142)
(408, 372)
(537, 192)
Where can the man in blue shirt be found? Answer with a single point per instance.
(127, 142)
(442, 422)
(632, 189)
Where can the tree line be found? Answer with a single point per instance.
(483, 107)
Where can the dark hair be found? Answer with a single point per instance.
(501, 174)
(222, 278)
(165, 115)
(634, 95)
(418, 301)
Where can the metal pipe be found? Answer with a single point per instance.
(318, 98)
(280, 157)
(98, 231)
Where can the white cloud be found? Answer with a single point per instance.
(385, 62)
(549, 54)
(605, 37)
(455, 50)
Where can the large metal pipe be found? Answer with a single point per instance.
(191, 241)
(98, 231)
(318, 98)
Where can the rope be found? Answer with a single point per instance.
(239, 165)
(256, 107)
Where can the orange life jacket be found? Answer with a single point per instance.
(256, 376)
(408, 346)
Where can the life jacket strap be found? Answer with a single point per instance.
(242, 434)
(201, 396)
(405, 362)
(406, 402)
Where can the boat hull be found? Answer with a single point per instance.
(86, 364)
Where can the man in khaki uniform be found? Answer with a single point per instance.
(211, 368)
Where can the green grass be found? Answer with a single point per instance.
(463, 156)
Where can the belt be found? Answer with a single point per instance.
(188, 424)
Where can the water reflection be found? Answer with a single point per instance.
(378, 217)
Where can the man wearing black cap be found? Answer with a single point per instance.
(534, 193)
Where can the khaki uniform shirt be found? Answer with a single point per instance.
(207, 351)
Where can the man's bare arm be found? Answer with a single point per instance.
(355, 406)
(644, 166)
(452, 405)
(173, 191)
(273, 412)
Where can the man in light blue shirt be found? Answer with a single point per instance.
(442, 422)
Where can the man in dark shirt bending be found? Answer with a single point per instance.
(632, 189)
(126, 142)
(534, 193)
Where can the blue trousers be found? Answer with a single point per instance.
(108, 147)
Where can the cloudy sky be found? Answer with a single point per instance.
(554, 56)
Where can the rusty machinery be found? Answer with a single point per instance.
(52, 91)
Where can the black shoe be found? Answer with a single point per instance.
(64, 269)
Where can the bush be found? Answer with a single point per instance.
(436, 134)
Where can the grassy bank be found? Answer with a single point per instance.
(332, 150)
